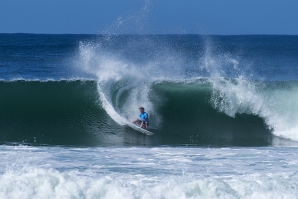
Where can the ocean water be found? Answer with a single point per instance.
(223, 110)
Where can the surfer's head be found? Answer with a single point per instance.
(141, 109)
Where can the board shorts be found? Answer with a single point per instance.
(145, 122)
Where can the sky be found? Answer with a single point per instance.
(214, 17)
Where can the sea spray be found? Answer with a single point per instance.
(234, 89)
(117, 76)
(237, 90)
(214, 141)
(220, 91)
(273, 102)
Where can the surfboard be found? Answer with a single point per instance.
(139, 129)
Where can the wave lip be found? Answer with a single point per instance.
(274, 102)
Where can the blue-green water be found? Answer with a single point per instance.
(213, 102)
(198, 90)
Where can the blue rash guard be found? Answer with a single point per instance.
(144, 117)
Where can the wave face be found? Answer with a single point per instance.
(196, 113)
(218, 91)
(50, 112)
(209, 97)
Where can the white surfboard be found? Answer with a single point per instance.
(139, 129)
(118, 118)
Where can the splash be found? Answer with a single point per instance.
(118, 77)
(126, 73)
(275, 102)
(135, 22)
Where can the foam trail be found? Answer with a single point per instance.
(110, 109)
(116, 78)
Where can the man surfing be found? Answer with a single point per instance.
(144, 118)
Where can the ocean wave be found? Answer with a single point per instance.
(189, 112)
(217, 97)
(195, 91)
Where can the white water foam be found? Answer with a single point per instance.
(39, 183)
(274, 103)
(55, 172)
(235, 91)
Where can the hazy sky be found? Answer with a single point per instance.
(150, 16)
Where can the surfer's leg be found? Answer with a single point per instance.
(136, 121)
(142, 123)
(146, 124)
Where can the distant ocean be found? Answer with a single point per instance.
(223, 110)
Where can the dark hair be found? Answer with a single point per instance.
(141, 108)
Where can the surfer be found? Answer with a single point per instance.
(144, 118)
